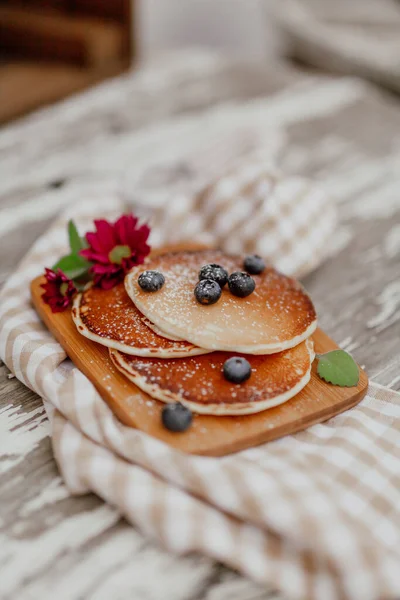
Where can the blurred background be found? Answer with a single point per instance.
(52, 48)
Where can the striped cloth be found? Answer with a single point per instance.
(316, 514)
(291, 228)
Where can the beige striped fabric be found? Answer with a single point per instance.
(253, 208)
(316, 515)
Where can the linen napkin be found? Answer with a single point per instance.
(246, 207)
(316, 514)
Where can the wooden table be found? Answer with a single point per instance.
(342, 132)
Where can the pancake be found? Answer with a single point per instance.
(199, 383)
(278, 315)
(158, 331)
(110, 318)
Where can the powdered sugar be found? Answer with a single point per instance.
(277, 315)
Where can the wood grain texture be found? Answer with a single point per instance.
(209, 435)
(52, 544)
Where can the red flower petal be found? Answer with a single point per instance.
(95, 257)
(125, 226)
(106, 235)
(94, 242)
(124, 232)
(52, 290)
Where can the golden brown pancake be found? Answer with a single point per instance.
(276, 316)
(158, 331)
(199, 383)
(110, 318)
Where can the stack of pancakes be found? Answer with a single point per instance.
(174, 348)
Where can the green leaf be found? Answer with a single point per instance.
(339, 368)
(75, 241)
(73, 266)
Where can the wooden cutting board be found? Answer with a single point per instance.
(213, 436)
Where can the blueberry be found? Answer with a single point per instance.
(241, 284)
(214, 272)
(151, 281)
(237, 369)
(207, 291)
(176, 417)
(254, 264)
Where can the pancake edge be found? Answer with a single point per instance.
(158, 331)
(271, 348)
(221, 410)
(131, 350)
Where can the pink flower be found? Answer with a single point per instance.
(115, 248)
(58, 290)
